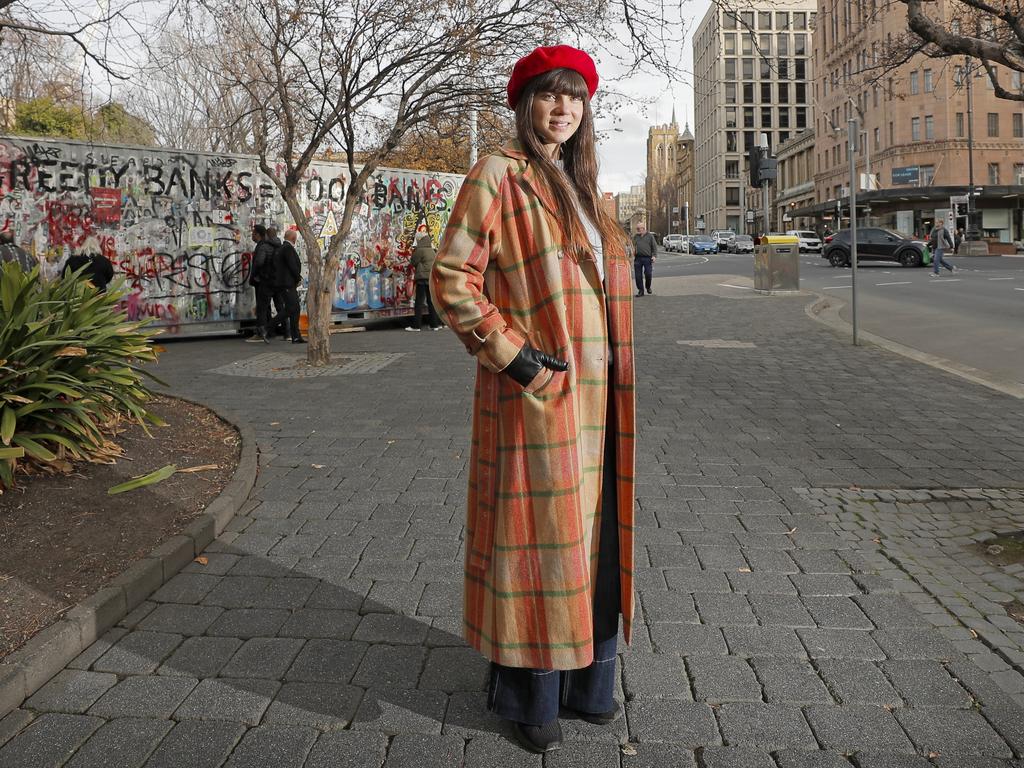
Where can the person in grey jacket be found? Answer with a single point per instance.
(422, 260)
(11, 251)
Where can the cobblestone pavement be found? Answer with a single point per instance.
(323, 630)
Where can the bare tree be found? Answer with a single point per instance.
(360, 75)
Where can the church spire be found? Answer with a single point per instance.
(673, 113)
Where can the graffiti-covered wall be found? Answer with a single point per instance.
(176, 225)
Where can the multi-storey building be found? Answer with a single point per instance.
(661, 170)
(914, 122)
(629, 203)
(684, 181)
(795, 185)
(752, 74)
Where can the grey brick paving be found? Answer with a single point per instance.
(122, 743)
(803, 571)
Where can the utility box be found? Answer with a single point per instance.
(777, 264)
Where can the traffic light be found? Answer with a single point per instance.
(769, 170)
(755, 155)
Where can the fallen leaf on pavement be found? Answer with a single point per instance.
(317, 466)
(200, 468)
(203, 560)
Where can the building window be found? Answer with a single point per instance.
(749, 140)
(730, 69)
(764, 20)
(730, 141)
(783, 93)
(748, 93)
(748, 117)
(782, 44)
(766, 69)
(877, 142)
(959, 125)
(1018, 173)
(927, 175)
(783, 69)
(801, 117)
(747, 19)
(730, 117)
(891, 142)
(929, 86)
(1018, 125)
(800, 45)
(782, 20)
(730, 93)
(801, 69)
(993, 173)
(929, 127)
(801, 93)
(748, 69)
(747, 45)
(729, 20)
(732, 195)
(799, 20)
(783, 137)
(783, 117)
(915, 129)
(764, 42)
(913, 83)
(874, 95)
(993, 124)
(766, 117)
(766, 92)
(732, 169)
(730, 44)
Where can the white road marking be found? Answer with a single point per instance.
(1018, 289)
(907, 282)
(741, 287)
(1002, 278)
(948, 280)
(833, 287)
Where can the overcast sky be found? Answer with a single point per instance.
(623, 153)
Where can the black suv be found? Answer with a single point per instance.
(874, 244)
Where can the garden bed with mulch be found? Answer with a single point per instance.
(62, 537)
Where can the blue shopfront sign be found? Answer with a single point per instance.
(910, 174)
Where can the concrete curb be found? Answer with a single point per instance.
(30, 667)
(825, 309)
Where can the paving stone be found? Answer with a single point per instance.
(325, 706)
(685, 580)
(889, 611)
(348, 749)
(467, 717)
(71, 691)
(914, 644)
(824, 584)
(720, 679)
(952, 732)
(320, 623)
(48, 741)
(655, 675)
(658, 755)
(769, 726)
(13, 723)
(780, 610)
(273, 745)
(390, 666)
(858, 682)
(185, 588)
(122, 743)
(454, 669)
(876, 760)
(763, 641)
(926, 684)
(425, 750)
(263, 657)
(148, 696)
(688, 639)
(341, 597)
(181, 619)
(840, 644)
(761, 583)
(396, 711)
(236, 591)
(837, 613)
(857, 727)
(488, 752)
(684, 722)
(584, 754)
(439, 599)
(138, 653)
(200, 657)
(790, 758)
(391, 628)
(249, 622)
(790, 681)
(86, 658)
(289, 593)
(196, 744)
(735, 757)
(328, 661)
(242, 701)
(660, 606)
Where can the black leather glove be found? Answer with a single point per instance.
(528, 363)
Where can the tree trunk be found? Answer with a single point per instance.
(318, 311)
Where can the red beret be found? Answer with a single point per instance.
(544, 59)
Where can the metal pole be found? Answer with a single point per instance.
(851, 128)
(765, 184)
(472, 137)
(969, 74)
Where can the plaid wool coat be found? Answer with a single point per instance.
(502, 280)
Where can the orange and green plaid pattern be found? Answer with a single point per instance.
(502, 280)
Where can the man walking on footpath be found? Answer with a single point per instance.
(261, 278)
(646, 249)
(939, 240)
(422, 260)
(287, 277)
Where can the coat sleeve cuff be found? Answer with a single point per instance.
(495, 344)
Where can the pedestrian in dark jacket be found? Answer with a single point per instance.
(958, 238)
(646, 249)
(422, 260)
(9, 251)
(97, 268)
(261, 278)
(287, 277)
(939, 240)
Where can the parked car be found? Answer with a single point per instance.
(672, 243)
(703, 244)
(722, 237)
(741, 244)
(876, 244)
(809, 241)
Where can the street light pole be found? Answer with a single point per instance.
(851, 128)
(764, 190)
(969, 74)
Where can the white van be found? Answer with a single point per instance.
(673, 243)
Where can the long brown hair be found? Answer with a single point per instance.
(579, 158)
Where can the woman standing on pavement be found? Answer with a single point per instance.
(534, 279)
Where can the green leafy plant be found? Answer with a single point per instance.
(69, 372)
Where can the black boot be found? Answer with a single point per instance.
(538, 738)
